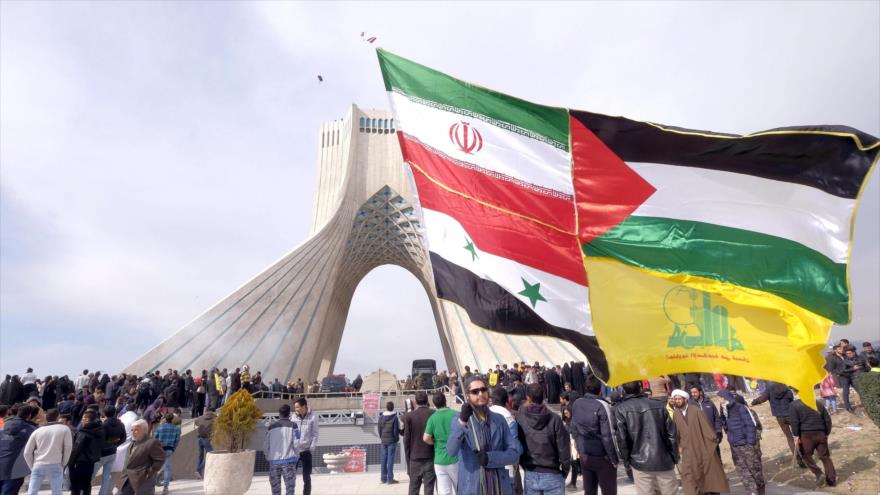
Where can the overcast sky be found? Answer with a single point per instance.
(157, 155)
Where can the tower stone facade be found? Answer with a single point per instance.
(288, 321)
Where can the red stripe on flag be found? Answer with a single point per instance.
(498, 191)
(606, 189)
(503, 234)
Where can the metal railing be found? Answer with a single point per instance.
(268, 394)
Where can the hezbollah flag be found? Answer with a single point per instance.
(737, 260)
(705, 252)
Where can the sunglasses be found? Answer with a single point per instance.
(481, 390)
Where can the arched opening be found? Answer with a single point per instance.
(389, 325)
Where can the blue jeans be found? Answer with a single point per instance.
(52, 472)
(544, 484)
(204, 448)
(106, 462)
(388, 452)
(167, 467)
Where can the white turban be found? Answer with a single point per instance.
(680, 393)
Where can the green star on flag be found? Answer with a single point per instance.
(533, 292)
(470, 247)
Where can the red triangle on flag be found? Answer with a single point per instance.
(606, 189)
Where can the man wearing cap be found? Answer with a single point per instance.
(701, 470)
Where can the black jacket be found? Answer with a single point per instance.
(87, 444)
(833, 364)
(803, 418)
(645, 434)
(389, 428)
(591, 428)
(545, 441)
(13, 438)
(414, 429)
(114, 435)
(870, 358)
(780, 398)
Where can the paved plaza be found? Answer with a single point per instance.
(368, 484)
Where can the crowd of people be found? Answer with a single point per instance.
(666, 431)
(504, 440)
(124, 428)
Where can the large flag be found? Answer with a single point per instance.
(493, 175)
(737, 260)
(705, 252)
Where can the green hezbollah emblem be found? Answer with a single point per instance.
(697, 322)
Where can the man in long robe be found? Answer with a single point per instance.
(701, 470)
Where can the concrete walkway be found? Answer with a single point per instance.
(368, 484)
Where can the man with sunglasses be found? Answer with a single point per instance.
(483, 444)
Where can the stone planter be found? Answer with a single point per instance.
(336, 462)
(229, 473)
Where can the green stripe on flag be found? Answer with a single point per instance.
(425, 83)
(759, 261)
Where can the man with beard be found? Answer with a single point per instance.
(482, 441)
(144, 461)
(701, 471)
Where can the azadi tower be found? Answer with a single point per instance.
(288, 321)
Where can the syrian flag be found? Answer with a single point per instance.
(494, 181)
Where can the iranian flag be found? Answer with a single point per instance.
(493, 175)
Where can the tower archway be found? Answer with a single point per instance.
(288, 321)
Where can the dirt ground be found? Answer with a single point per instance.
(855, 451)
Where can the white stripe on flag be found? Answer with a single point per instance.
(816, 219)
(567, 304)
(502, 151)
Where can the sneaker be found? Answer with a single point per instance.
(393, 482)
(820, 480)
(198, 475)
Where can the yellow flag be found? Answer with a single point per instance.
(651, 323)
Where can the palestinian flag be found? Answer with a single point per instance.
(493, 175)
(770, 211)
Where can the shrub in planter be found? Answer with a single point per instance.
(869, 392)
(230, 469)
(236, 422)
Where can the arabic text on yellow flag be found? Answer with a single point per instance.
(651, 323)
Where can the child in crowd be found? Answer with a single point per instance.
(829, 393)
